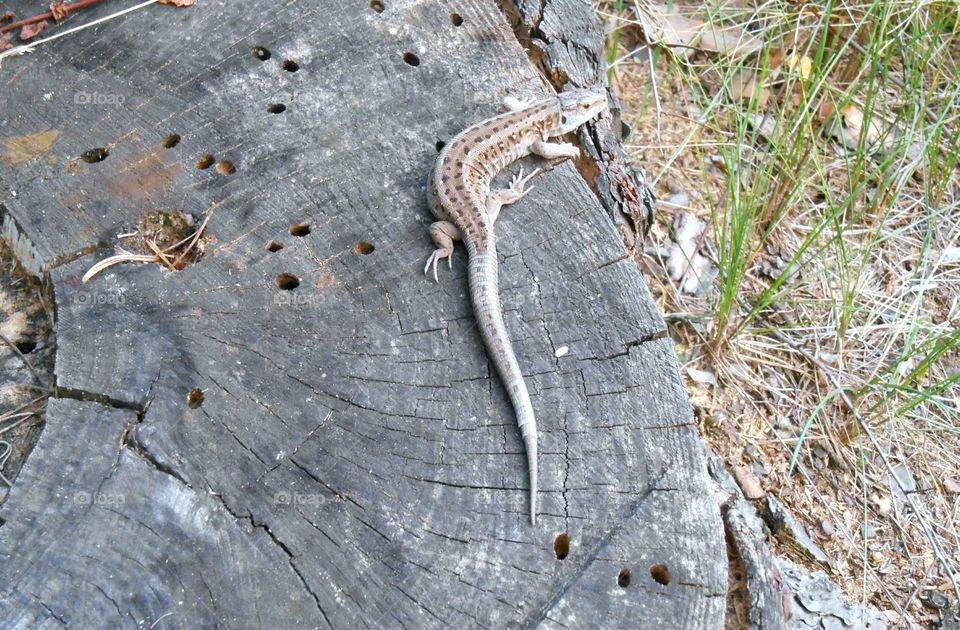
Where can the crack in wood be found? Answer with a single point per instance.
(102, 399)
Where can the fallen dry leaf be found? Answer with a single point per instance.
(665, 27)
(951, 485)
(178, 3)
(24, 148)
(7, 17)
(693, 272)
(883, 505)
(58, 10)
(775, 55)
(765, 125)
(32, 30)
(5, 42)
(744, 85)
(672, 30)
(733, 41)
(825, 110)
(804, 65)
(853, 121)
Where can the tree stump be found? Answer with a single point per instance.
(298, 426)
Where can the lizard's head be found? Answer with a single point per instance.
(580, 106)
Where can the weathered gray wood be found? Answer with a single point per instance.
(564, 39)
(353, 461)
(764, 597)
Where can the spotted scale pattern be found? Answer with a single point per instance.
(461, 178)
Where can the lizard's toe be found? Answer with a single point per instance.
(517, 182)
(431, 260)
(434, 260)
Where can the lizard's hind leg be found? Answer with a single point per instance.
(443, 234)
(518, 188)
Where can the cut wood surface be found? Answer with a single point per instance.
(353, 461)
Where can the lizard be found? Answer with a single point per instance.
(459, 195)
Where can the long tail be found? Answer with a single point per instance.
(485, 292)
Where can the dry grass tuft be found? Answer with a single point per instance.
(167, 238)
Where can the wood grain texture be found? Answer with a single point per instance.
(354, 461)
(564, 39)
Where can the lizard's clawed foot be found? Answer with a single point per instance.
(434, 260)
(443, 234)
(519, 182)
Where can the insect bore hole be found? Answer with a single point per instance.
(261, 53)
(377, 6)
(226, 167)
(300, 229)
(195, 398)
(623, 578)
(456, 19)
(274, 246)
(290, 65)
(288, 281)
(93, 156)
(205, 162)
(561, 545)
(411, 59)
(660, 574)
(364, 248)
(171, 141)
(276, 108)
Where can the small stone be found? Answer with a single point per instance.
(828, 357)
(748, 482)
(679, 200)
(703, 377)
(936, 600)
(883, 504)
(561, 351)
(827, 528)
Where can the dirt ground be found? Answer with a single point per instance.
(754, 395)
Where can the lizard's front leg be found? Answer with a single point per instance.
(554, 150)
(515, 193)
(443, 234)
